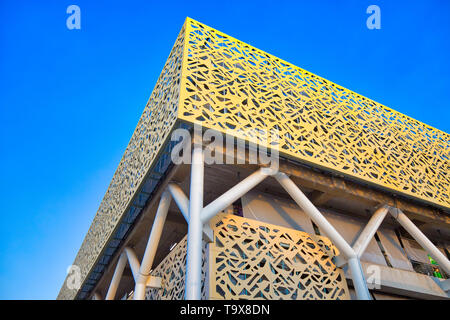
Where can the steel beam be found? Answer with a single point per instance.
(234, 193)
(195, 225)
(418, 235)
(180, 199)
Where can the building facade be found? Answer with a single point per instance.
(250, 178)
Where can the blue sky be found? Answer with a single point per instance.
(70, 99)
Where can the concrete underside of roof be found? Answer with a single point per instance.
(325, 191)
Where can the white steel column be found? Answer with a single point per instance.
(415, 232)
(116, 277)
(369, 230)
(195, 226)
(234, 193)
(354, 264)
(180, 198)
(315, 215)
(152, 246)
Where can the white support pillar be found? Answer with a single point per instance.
(195, 225)
(426, 244)
(369, 230)
(354, 264)
(234, 193)
(180, 198)
(358, 279)
(315, 215)
(133, 261)
(121, 263)
(152, 246)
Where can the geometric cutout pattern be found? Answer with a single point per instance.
(152, 130)
(172, 270)
(222, 83)
(255, 260)
(235, 88)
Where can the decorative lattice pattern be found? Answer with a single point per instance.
(153, 128)
(255, 260)
(222, 83)
(173, 270)
(233, 87)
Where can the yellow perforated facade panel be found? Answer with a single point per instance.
(222, 83)
(253, 260)
(233, 87)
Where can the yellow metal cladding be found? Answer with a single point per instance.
(254, 260)
(235, 88)
(222, 83)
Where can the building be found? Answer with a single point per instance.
(357, 206)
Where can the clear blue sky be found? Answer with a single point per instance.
(70, 99)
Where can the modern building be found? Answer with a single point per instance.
(345, 198)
